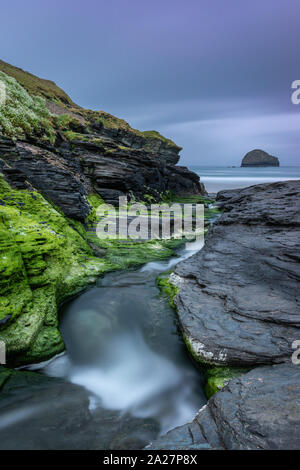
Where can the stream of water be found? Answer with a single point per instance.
(123, 347)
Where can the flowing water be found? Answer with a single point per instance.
(124, 349)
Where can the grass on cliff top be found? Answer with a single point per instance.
(155, 135)
(36, 86)
(22, 114)
(112, 122)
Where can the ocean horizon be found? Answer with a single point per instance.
(217, 178)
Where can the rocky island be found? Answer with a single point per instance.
(259, 158)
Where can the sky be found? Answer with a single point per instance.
(213, 75)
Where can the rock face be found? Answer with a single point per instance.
(66, 174)
(238, 302)
(260, 410)
(24, 165)
(259, 158)
(73, 152)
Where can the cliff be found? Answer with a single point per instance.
(259, 158)
(68, 152)
(58, 162)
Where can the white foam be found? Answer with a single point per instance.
(134, 381)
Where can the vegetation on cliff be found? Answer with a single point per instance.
(36, 86)
(22, 114)
(46, 95)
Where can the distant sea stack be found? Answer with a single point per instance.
(259, 158)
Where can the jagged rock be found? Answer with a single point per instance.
(259, 158)
(181, 180)
(60, 181)
(238, 302)
(260, 410)
(67, 175)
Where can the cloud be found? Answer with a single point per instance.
(216, 66)
(228, 139)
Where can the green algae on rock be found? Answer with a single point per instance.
(43, 261)
(217, 377)
(166, 286)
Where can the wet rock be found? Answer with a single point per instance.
(39, 412)
(260, 410)
(238, 300)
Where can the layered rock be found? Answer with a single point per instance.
(68, 173)
(61, 180)
(259, 158)
(68, 152)
(238, 302)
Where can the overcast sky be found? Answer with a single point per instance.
(214, 75)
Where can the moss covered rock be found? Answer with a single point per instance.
(43, 260)
(218, 377)
(166, 286)
(46, 258)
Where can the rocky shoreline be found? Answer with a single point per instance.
(238, 305)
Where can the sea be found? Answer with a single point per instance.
(217, 178)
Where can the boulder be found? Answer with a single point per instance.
(238, 300)
(260, 410)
